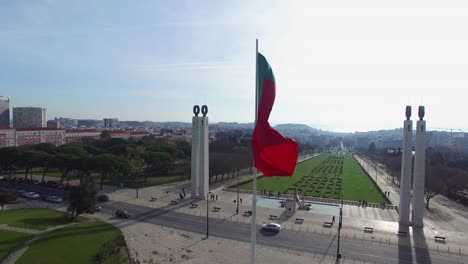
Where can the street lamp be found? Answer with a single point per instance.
(237, 209)
(207, 218)
(340, 224)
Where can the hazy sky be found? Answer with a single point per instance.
(339, 65)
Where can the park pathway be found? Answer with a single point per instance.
(19, 250)
(19, 229)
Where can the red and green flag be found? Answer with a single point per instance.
(274, 154)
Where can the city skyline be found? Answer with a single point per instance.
(348, 68)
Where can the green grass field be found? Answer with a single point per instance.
(9, 239)
(324, 176)
(79, 243)
(38, 219)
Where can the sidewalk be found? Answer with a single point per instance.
(383, 180)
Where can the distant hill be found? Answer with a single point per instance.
(295, 127)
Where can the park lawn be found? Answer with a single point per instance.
(9, 240)
(79, 243)
(38, 219)
(356, 183)
(152, 181)
(281, 184)
(323, 176)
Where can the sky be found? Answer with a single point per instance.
(339, 65)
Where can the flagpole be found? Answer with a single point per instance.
(254, 188)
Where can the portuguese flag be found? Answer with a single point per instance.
(274, 154)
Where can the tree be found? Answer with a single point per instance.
(157, 163)
(68, 159)
(83, 198)
(105, 164)
(65, 163)
(29, 159)
(45, 147)
(434, 185)
(185, 147)
(10, 158)
(6, 198)
(45, 161)
(105, 134)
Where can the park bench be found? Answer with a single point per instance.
(248, 213)
(273, 216)
(402, 233)
(440, 238)
(368, 229)
(327, 224)
(216, 209)
(193, 205)
(153, 199)
(173, 202)
(299, 220)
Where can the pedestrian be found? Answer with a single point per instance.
(333, 219)
(181, 196)
(388, 194)
(216, 197)
(240, 200)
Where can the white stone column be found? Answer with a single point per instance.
(195, 156)
(203, 175)
(405, 180)
(419, 172)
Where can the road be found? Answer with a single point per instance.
(371, 252)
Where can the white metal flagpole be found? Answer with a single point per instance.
(254, 188)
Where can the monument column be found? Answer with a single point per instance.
(405, 179)
(195, 150)
(419, 170)
(203, 176)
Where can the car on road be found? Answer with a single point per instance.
(103, 198)
(97, 208)
(122, 214)
(21, 193)
(32, 195)
(53, 199)
(272, 227)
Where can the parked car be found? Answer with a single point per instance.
(272, 227)
(32, 195)
(122, 214)
(103, 198)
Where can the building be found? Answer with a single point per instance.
(362, 143)
(7, 138)
(89, 123)
(459, 142)
(30, 136)
(111, 122)
(138, 135)
(81, 135)
(29, 117)
(119, 134)
(54, 123)
(68, 122)
(4, 112)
